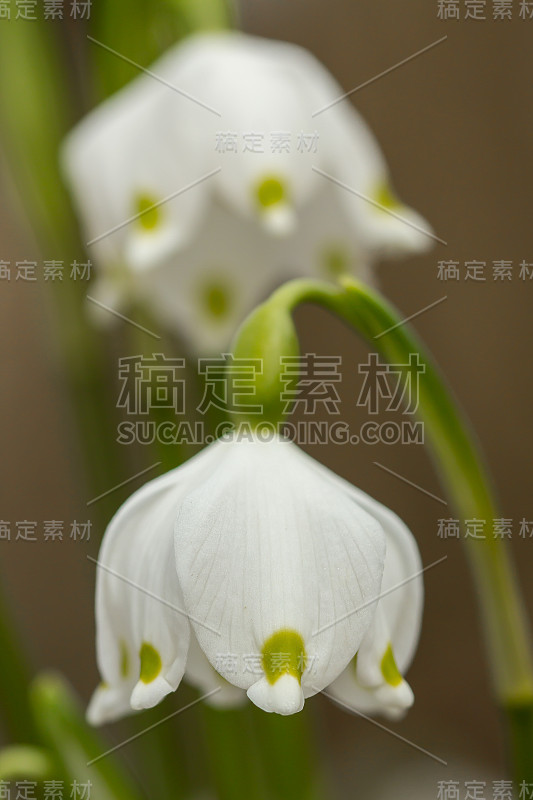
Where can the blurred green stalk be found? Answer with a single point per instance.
(14, 680)
(140, 30)
(36, 117)
(81, 754)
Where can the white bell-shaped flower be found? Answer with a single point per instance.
(221, 172)
(252, 569)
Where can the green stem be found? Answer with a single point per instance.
(464, 477)
(234, 761)
(292, 761)
(160, 751)
(14, 681)
(151, 29)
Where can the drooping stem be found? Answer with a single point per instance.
(465, 479)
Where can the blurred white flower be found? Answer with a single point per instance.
(220, 173)
(253, 569)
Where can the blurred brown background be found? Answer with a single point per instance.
(455, 125)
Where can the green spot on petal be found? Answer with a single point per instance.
(389, 670)
(150, 216)
(150, 663)
(216, 299)
(385, 197)
(335, 262)
(271, 192)
(124, 660)
(284, 654)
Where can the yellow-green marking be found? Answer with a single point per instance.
(150, 663)
(284, 654)
(148, 210)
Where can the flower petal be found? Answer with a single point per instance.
(131, 189)
(267, 553)
(284, 697)
(324, 245)
(206, 291)
(373, 682)
(382, 223)
(203, 676)
(142, 626)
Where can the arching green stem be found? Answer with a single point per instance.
(460, 468)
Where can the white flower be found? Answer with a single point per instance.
(253, 569)
(213, 177)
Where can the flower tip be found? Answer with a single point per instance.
(148, 695)
(411, 235)
(94, 714)
(395, 700)
(285, 696)
(279, 220)
(106, 705)
(107, 297)
(145, 250)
